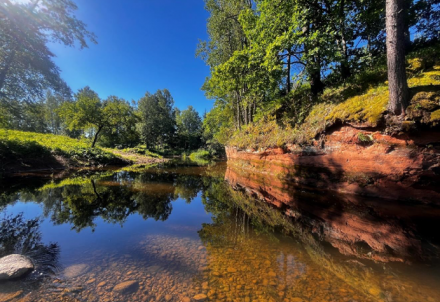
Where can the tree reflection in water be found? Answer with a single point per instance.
(113, 197)
(21, 236)
(246, 241)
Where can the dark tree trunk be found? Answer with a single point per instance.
(395, 28)
(288, 72)
(95, 139)
(316, 85)
(238, 112)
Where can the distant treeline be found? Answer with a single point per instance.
(114, 122)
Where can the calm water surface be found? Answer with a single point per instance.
(212, 233)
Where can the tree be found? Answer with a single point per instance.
(26, 66)
(157, 116)
(398, 86)
(52, 103)
(218, 126)
(123, 133)
(226, 36)
(189, 128)
(87, 111)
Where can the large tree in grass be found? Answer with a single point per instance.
(89, 112)
(395, 28)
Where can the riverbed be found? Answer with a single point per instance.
(206, 232)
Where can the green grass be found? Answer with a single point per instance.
(21, 147)
(142, 150)
(200, 154)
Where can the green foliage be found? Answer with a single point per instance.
(88, 112)
(200, 154)
(435, 116)
(27, 66)
(364, 138)
(189, 128)
(142, 149)
(218, 127)
(350, 103)
(265, 133)
(16, 146)
(299, 57)
(157, 116)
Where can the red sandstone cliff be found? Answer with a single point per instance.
(356, 161)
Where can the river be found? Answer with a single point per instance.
(208, 232)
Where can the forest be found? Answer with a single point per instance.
(284, 71)
(280, 72)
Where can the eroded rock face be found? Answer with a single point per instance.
(14, 266)
(355, 161)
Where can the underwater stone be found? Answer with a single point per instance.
(14, 266)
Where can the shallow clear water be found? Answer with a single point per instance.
(191, 233)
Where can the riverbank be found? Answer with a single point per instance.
(402, 168)
(28, 151)
(349, 143)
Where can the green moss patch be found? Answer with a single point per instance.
(435, 116)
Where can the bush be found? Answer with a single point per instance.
(201, 154)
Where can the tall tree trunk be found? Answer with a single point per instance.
(289, 60)
(316, 84)
(238, 112)
(398, 86)
(345, 67)
(95, 139)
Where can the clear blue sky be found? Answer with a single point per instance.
(143, 45)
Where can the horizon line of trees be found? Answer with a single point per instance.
(268, 58)
(112, 122)
(33, 96)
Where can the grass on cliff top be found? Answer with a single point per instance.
(20, 146)
(362, 101)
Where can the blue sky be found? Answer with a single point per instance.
(143, 45)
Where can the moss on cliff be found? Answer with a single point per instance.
(435, 116)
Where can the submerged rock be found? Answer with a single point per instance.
(126, 287)
(200, 297)
(14, 266)
(75, 270)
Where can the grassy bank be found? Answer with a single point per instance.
(21, 151)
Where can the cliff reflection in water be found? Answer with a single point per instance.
(376, 229)
(265, 240)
